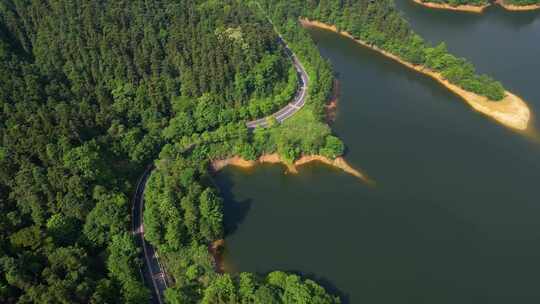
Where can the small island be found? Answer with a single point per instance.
(478, 6)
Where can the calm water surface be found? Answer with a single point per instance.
(455, 215)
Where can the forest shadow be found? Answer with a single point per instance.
(234, 210)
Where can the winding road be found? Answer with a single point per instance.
(152, 270)
(152, 273)
(299, 99)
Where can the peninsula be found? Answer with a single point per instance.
(511, 110)
(338, 162)
(517, 6)
(480, 6)
(470, 8)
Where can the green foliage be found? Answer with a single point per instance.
(89, 96)
(379, 24)
(107, 218)
(278, 287)
(123, 266)
(83, 160)
(64, 230)
(332, 148)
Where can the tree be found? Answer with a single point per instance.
(220, 291)
(123, 265)
(109, 217)
(64, 230)
(84, 160)
(333, 147)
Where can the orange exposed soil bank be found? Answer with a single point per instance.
(511, 111)
(461, 8)
(216, 250)
(516, 8)
(478, 9)
(339, 163)
(332, 104)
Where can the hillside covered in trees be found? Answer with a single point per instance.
(379, 24)
(92, 92)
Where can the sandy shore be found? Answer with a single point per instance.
(461, 8)
(512, 111)
(518, 8)
(216, 251)
(331, 106)
(339, 163)
(479, 9)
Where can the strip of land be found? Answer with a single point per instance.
(478, 8)
(511, 111)
(462, 8)
(518, 8)
(274, 158)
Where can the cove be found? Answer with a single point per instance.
(455, 214)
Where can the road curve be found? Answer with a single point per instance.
(152, 270)
(299, 99)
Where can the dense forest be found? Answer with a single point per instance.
(378, 23)
(92, 92)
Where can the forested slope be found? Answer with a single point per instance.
(378, 23)
(90, 91)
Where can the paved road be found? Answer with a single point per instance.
(299, 99)
(152, 270)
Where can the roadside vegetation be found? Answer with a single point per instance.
(379, 24)
(92, 92)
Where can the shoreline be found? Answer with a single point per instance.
(467, 8)
(460, 8)
(517, 8)
(511, 111)
(338, 163)
(330, 108)
(216, 251)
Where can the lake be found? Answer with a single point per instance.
(455, 214)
